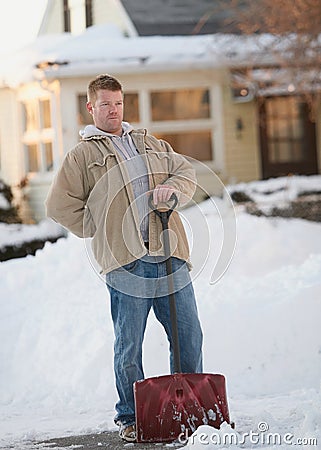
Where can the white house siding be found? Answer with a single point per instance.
(53, 19)
(112, 11)
(104, 11)
(242, 148)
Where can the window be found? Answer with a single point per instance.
(182, 117)
(39, 157)
(184, 104)
(37, 136)
(195, 144)
(32, 158)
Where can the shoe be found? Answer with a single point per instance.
(128, 433)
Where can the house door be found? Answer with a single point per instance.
(288, 137)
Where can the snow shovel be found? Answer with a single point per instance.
(171, 407)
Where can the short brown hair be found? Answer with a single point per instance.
(103, 81)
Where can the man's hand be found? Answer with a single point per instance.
(162, 193)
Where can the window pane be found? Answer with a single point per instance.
(30, 116)
(131, 110)
(195, 144)
(284, 151)
(48, 156)
(32, 158)
(297, 152)
(45, 113)
(273, 152)
(84, 118)
(180, 105)
(298, 129)
(282, 107)
(284, 129)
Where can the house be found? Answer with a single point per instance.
(190, 89)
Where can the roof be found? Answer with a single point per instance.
(65, 55)
(179, 17)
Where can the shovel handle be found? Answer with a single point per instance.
(164, 216)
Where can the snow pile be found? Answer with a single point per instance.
(278, 191)
(4, 204)
(17, 234)
(261, 325)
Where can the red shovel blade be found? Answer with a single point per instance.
(171, 406)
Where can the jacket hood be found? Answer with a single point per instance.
(90, 131)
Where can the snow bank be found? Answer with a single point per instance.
(17, 234)
(278, 191)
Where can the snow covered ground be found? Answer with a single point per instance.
(261, 324)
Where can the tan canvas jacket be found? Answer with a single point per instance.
(92, 196)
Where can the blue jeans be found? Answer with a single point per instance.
(129, 314)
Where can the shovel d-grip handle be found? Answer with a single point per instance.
(164, 215)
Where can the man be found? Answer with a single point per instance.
(102, 191)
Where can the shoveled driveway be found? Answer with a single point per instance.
(106, 440)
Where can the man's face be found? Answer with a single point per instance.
(108, 111)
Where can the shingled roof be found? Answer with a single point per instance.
(179, 17)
